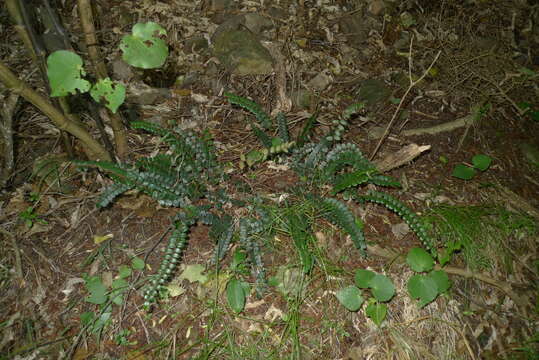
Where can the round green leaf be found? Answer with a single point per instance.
(441, 279)
(350, 297)
(143, 49)
(363, 278)
(235, 294)
(423, 288)
(382, 288)
(64, 70)
(481, 162)
(463, 172)
(137, 263)
(98, 291)
(124, 271)
(113, 93)
(420, 260)
(376, 312)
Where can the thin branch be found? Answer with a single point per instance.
(410, 87)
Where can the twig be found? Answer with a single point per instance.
(18, 262)
(410, 87)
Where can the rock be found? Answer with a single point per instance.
(320, 81)
(302, 99)
(140, 93)
(531, 154)
(257, 23)
(241, 53)
(377, 7)
(121, 70)
(356, 27)
(195, 44)
(373, 91)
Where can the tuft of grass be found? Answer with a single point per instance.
(483, 232)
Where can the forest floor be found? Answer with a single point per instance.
(480, 62)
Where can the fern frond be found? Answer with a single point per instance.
(110, 193)
(352, 179)
(343, 155)
(252, 107)
(249, 228)
(352, 110)
(383, 180)
(282, 127)
(261, 136)
(176, 244)
(414, 222)
(339, 215)
(222, 230)
(116, 169)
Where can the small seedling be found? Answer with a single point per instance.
(425, 287)
(382, 290)
(480, 162)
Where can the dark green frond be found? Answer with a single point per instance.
(339, 215)
(347, 180)
(176, 244)
(382, 180)
(252, 107)
(222, 232)
(414, 222)
(110, 193)
(282, 124)
(264, 139)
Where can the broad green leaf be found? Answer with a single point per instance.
(350, 297)
(463, 172)
(137, 263)
(363, 278)
(235, 294)
(534, 115)
(98, 291)
(423, 288)
(113, 93)
(481, 162)
(253, 157)
(526, 71)
(64, 70)
(194, 273)
(124, 271)
(86, 318)
(118, 286)
(175, 290)
(441, 279)
(419, 260)
(382, 288)
(376, 312)
(143, 49)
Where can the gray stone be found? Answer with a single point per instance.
(320, 81)
(531, 154)
(241, 53)
(373, 91)
(377, 7)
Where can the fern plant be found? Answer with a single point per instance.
(189, 173)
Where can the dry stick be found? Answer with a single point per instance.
(6, 131)
(87, 21)
(18, 262)
(410, 87)
(95, 149)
